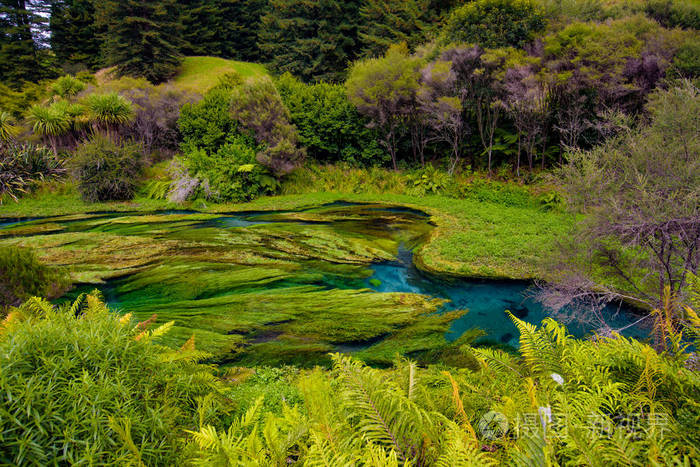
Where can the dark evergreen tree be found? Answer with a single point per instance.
(141, 39)
(22, 52)
(313, 39)
(387, 22)
(75, 34)
(223, 28)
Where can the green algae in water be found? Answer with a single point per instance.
(281, 287)
(253, 287)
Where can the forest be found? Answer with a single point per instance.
(363, 232)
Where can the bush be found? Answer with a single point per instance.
(258, 108)
(329, 126)
(23, 166)
(156, 114)
(675, 13)
(208, 124)
(494, 23)
(23, 276)
(231, 173)
(107, 170)
(67, 86)
(93, 389)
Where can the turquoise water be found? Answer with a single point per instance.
(487, 301)
(194, 277)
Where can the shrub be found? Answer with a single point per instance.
(156, 114)
(208, 123)
(67, 86)
(329, 126)
(107, 170)
(494, 23)
(258, 108)
(23, 276)
(23, 166)
(231, 173)
(91, 388)
(675, 13)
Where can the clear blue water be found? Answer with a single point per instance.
(487, 301)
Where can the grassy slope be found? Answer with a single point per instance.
(472, 238)
(198, 74)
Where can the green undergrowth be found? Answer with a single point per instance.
(122, 398)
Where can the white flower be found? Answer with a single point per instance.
(558, 378)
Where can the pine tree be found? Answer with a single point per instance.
(142, 39)
(75, 34)
(21, 27)
(223, 28)
(387, 22)
(312, 39)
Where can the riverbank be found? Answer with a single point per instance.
(471, 238)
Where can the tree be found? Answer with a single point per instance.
(75, 34)
(315, 40)
(442, 107)
(51, 123)
(384, 89)
(527, 102)
(141, 38)
(222, 28)
(330, 128)
(641, 237)
(387, 22)
(480, 75)
(494, 23)
(107, 112)
(22, 54)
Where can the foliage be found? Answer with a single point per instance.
(107, 112)
(208, 123)
(107, 170)
(156, 111)
(330, 127)
(387, 22)
(22, 276)
(67, 86)
(494, 23)
(118, 398)
(675, 13)
(221, 28)
(383, 90)
(22, 54)
(314, 40)
(640, 192)
(23, 166)
(547, 395)
(428, 180)
(75, 34)
(259, 110)
(8, 130)
(141, 40)
(232, 172)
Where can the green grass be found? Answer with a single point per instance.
(199, 74)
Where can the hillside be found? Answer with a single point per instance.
(198, 74)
